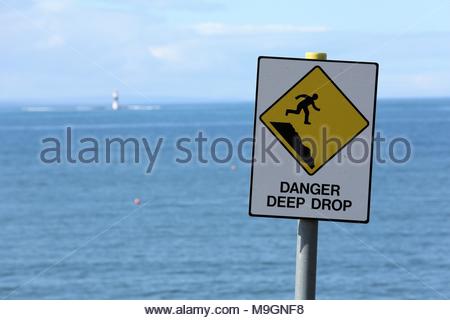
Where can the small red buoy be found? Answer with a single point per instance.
(137, 201)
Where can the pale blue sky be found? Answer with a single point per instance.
(163, 50)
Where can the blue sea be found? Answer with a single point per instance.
(73, 231)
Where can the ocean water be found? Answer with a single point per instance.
(72, 231)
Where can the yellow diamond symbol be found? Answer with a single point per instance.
(314, 120)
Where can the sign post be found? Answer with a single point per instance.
(307, 236)
(313, 145)
(306, 260)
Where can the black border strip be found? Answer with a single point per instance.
(371, 149)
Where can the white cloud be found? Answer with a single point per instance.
(423, 80)
(167, 53)
(52, 6)
(414, 84)
(215, 28)
(55, 41)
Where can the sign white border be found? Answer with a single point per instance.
(277, 88)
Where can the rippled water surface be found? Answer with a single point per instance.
(72, 231)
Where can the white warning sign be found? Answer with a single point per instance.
(314, 123)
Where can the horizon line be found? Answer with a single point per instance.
(178, 100)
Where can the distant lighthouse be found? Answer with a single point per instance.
(115, 100)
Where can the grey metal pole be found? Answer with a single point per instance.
(307, 234)
(305, 271)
